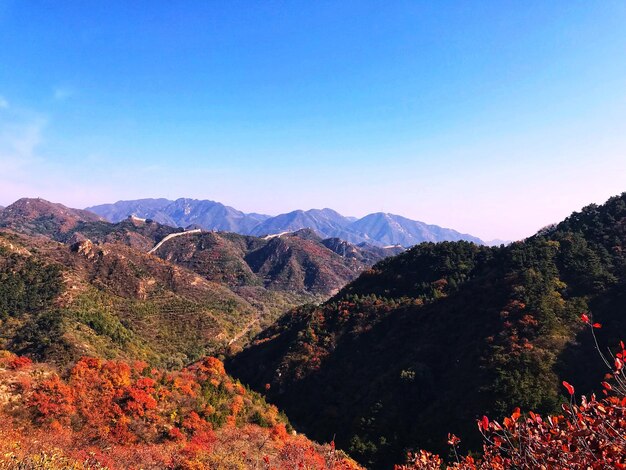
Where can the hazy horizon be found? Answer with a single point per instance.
(493, 119)
(485, 239)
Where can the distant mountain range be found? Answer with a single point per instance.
(209, 215)
(379, 229)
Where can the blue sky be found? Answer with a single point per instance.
(494, 118)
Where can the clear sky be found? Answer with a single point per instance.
(493, 118)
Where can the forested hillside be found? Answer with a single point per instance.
(425, 343)
(59, 303)
(298, 262)
(418, 346)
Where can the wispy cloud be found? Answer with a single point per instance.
(30, 168)
(21, 134)
(4, 104)
(62, 93)
(19, 140)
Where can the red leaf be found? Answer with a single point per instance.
(569, 387)
(483, 424)
(584, 318)
(597, 325)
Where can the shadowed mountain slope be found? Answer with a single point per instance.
(426, 342)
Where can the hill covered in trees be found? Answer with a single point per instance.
(60, 302)
(425, 343)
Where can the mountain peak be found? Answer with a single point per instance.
(29, 209)
(36, 216)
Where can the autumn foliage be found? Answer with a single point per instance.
(589, 434)
(113, 414)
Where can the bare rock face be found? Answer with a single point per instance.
(85, 247)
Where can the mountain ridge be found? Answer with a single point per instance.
(381, 229)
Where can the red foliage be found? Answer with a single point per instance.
(19, 362)
(300, 455)
(53, 400)
(568, 387)
(120, 415)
